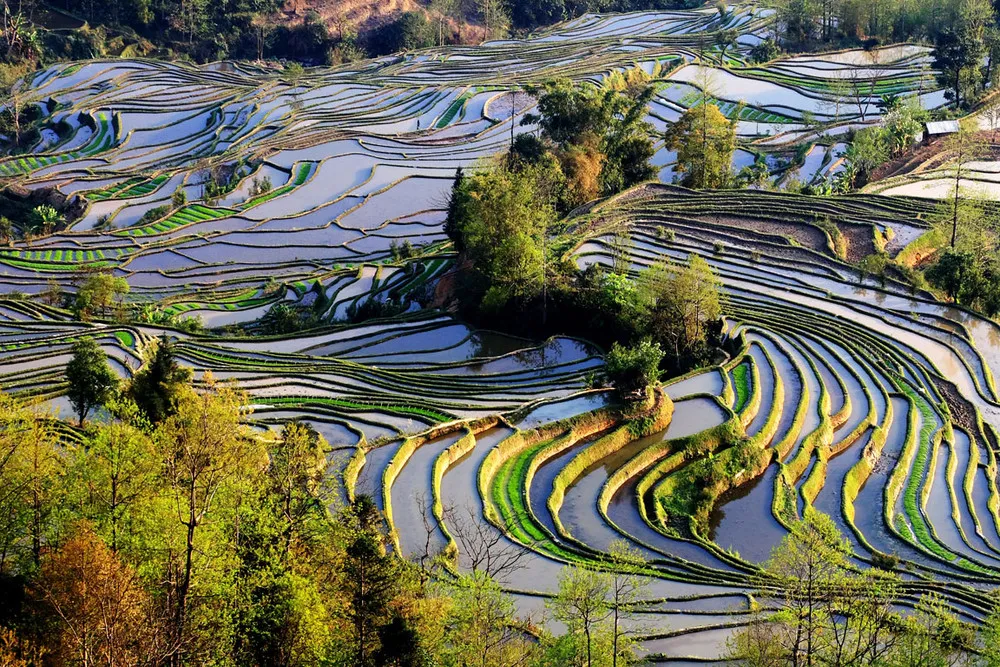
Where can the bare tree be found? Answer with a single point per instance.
(485, 548)
(991, 114)
(626, 588)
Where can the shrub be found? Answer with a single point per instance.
(632, 369)
(765, 51)
(885, 562)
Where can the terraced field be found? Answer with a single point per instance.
(873, 404)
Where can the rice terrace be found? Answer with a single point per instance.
(289, 232)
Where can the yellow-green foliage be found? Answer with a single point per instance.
(788, 441)
(859, 472)
(970, 475)
(691, 491)
(442, 464)
(902, 469)
(578, 427)
(352, 470)
(602, 448)
(817, 477)
(925, 490)
(752, 407)
(923, 246)
(770, 427)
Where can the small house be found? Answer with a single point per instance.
(940, 128)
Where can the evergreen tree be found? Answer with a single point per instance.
(91, 380)
(156, 385)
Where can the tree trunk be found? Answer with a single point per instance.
(185, 586)
(614, 640)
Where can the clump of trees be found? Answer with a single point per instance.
(99, 292)
(872, 147)
(500, 218)
(176, 534)
(594, 141)
(969, 271)
(828, 613)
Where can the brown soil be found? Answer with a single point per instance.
(860, 241)
(963, 414)
(804, 235)
(922, 158)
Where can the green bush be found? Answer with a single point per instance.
(632, 369)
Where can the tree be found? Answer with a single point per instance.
(582, 164)
(964, 145)
(530, 14)
(725, 40)
(581, 604)
(796, 17)
(903, 122)
(296, 471)
(158, 383)
(53, 294)
(951, 273)
(369, 582)
(45, 218)
(765, 51)
(205, 450)
(705, 141)
(990, 114)
(960, 48)
(457, 211)
(826, 614)
(681, 303)
(190, 18)
(408, 32)
(97, 292)
(6, 229)
(118, 471)
(494, 16)
(597, 131)
(868, 152)
(91, 380)
(11, 90)
(627, 587)
(482, 625)
(503, 227)
(179, 198)
(632, 370)
(98, 605)
(26, 453)
(41, 462)
(930, 637)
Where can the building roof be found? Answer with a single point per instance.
(942, 127)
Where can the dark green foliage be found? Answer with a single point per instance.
(408, 32)
(91, 380)
(765, 51)
(632, 369)
(530, 14)
(972, 284)
(155, 386)
(588, 129)
(369, 582)
(457, 204)
(152, 215)
(400, 645)
(951, 273)
(373, 308)
(281, 319)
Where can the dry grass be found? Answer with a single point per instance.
(362, 16)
